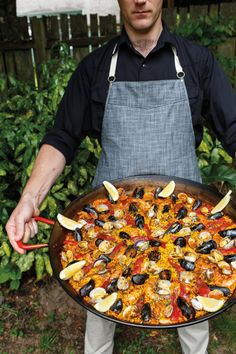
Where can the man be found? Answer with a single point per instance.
(142, 95)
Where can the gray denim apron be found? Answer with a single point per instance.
(147, 129)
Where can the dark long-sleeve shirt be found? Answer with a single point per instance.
(82, 107)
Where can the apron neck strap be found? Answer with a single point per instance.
(112, 72)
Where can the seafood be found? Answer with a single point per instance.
(216, 216)
(148, 259)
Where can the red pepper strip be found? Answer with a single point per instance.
(106, 237)
(176, 314)
(87, 268)
(139, 238)
(229, 251)
(116, 249)
(139, 303)
(163, 245)
(70, 242)
(79, 255)
(44, 220)
(130, 221)
(138, 265)
(203, 289)
(175, 265)
(31, 247)
(106, 283)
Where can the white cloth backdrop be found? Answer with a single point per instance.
(49, 7)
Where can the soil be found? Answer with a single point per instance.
(42, 318)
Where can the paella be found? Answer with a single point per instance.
(150, 255)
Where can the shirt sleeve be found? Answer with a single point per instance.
(219, 105)
(72, 118)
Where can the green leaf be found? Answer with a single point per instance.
(2, 172)
(47, 264)
(25, 261)
(15, 284)
(4, 276)
(39, 267)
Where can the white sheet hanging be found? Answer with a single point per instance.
(50, 7)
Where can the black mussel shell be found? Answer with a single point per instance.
(230, 258)
(133, 208)
(154, 256)
(85, 290)
(165, 274)
(99, 222)
(139, 279)
(124, 235)
(78, 234)
(216, 216)
(198, 227)
(187, 265)
(180, 241)
(174, 228)
(111, 218)
(131, 251)
(182, 213)
(127, 272)
(146, 312)
(187, 310)
(139, 221)
(231, 233)
(207, 247)
(105, 258)
(138, 193)
(196, 204)
(154, 243)
(166, 209)
(91, 210)
(117, 306)
(112, 287)
(223, 289)
(111, 199)
(98, 241)
(174, 198)
(157, 192)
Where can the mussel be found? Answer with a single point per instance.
(180, 241)
(223, 289)
(198, 227)
(231, 233)
(196, 204)
(157, 191)
(112, 287)
(138, 193)
(139, 279)
(105, 258)
(216, 216)
(154, 243)
(166, 209)
(124, 235)
(146, 312)
(141, 245)
(99, 222)
(131, 251)
(165, 274)
(111, 218)
(98, 241)
(174, 198)
(78, 234)
(182, 213)
(186, 309)
(133, 208)
(207, 247)
(117, 306)
(154, 256)
(127, 272)
(85, 290)
(230, 258)
(90, 210)
(139, 221)
(174, 228)
(187, 265)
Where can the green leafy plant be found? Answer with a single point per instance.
(26, 113)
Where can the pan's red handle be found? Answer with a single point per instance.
(27, 247)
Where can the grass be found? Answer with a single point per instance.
(47, 340)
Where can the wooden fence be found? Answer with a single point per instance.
(25, 43)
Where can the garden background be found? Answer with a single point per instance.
(37, 57)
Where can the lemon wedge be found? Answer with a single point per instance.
(105, 304)
(209, 304)
(168, 190)
(69, 223)
(111, 190)
(222, 203)
(69, 271)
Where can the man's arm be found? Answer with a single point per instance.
(48, 166)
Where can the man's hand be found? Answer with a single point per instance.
(21, 223)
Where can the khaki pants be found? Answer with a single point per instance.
(99, 336)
